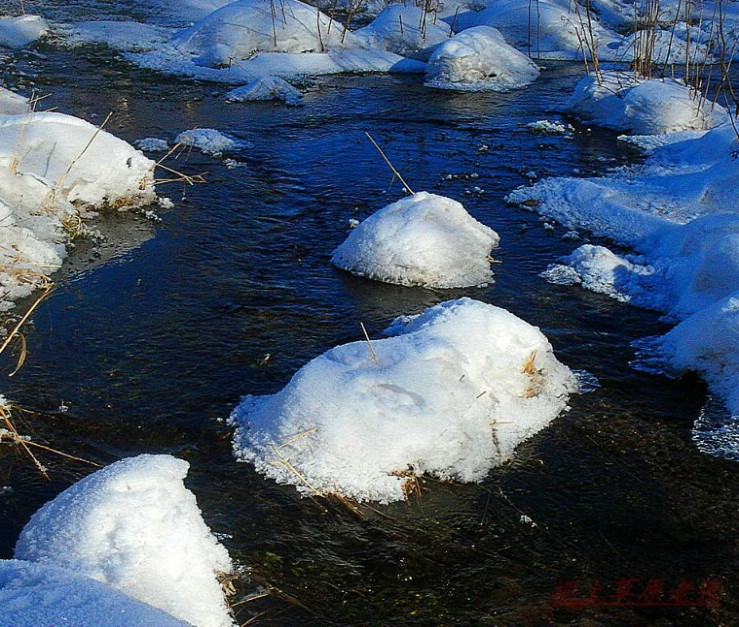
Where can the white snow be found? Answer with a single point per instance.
(405, 30)
(266, 88)
(479, 59)
(626, 102)
(34, 595)
(18, 32)
(240, 29)
(545, 29)
(53, 167)
(678, 213)
(451, 395)
(134, 526)
(210, 141)
(424, 240)
(12, 103)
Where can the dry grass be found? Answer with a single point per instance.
(535, 375)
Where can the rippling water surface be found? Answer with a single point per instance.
(149, 352)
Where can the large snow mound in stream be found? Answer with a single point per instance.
(425, 240)
(18, 32)
(134, 526)
(451, 395)
(35, 595)
(626, 102)
(479, 59)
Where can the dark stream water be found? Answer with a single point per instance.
(151, 350)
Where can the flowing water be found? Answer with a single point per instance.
(232, 291)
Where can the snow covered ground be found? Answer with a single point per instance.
(132, 526)
(451, 394)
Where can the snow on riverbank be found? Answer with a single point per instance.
(425, 240)
(679, 213)
(18, 32)
(626, 102)
(451, 394)
(135, 527)
(54, 169)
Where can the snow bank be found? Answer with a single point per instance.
(240, 29)
(405, 30)
(18, 32)
(708, 343)
(134, 526)
(451, 395)
(678, 212)
(479, 59)
(545, 29)
(625, 102)
(33, 595)
(52, 167)
(424, 240)
(266, 88)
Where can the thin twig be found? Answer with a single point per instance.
(392, 167)
(373, 354)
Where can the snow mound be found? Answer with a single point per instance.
(32, 595)
(451, 395)
(210, 141)
(479, 59)
(424, 240)
(18, 32)
(548, 29)
(598, 269)
(12, 103)
(625, 102)
(266, 88)
(134, 526)
(52, 167)
(240, 29)
(405, 30)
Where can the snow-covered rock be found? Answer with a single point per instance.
(266, 88)
(134, 526)
(406, 30)
(626, 102)
(33, 595)
(424, 240)
(18, 32)
(451, 395)
(240, 29)
(479, 59)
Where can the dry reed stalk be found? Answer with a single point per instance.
(392, 167)
(373, 354)
(286, 463)
(16, 438)
(25, 317)
(297, 437)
